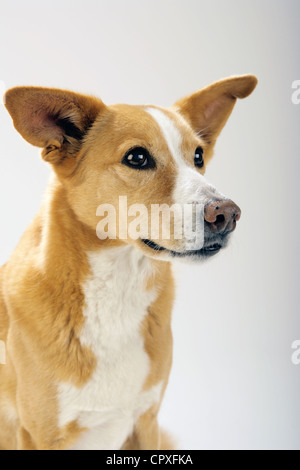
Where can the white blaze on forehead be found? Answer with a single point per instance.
(170, 132)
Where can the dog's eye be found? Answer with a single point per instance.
(139, 158)
(199, 162)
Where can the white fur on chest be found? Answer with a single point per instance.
(116, 302)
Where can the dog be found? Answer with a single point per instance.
(86, 321)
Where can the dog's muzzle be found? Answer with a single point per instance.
(220, 218)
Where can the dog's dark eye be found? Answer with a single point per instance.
(199, 162)
(139, 158)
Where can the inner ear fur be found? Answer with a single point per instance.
(209, 109)
(51, 118)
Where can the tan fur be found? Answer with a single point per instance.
(41, 296)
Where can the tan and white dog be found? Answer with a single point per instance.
(87, 322)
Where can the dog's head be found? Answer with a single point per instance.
(136, 173)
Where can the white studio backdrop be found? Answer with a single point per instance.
(233, 384)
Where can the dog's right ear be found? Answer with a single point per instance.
(55, 120)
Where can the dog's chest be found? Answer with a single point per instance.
(116, 302)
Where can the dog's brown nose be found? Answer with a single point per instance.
(222, 216)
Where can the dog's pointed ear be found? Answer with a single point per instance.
(55, 120)
(208, 109)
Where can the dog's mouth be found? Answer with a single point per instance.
(206, 251)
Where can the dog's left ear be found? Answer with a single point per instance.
(208, 109)
(55, 120)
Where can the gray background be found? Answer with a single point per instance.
(233, 384)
